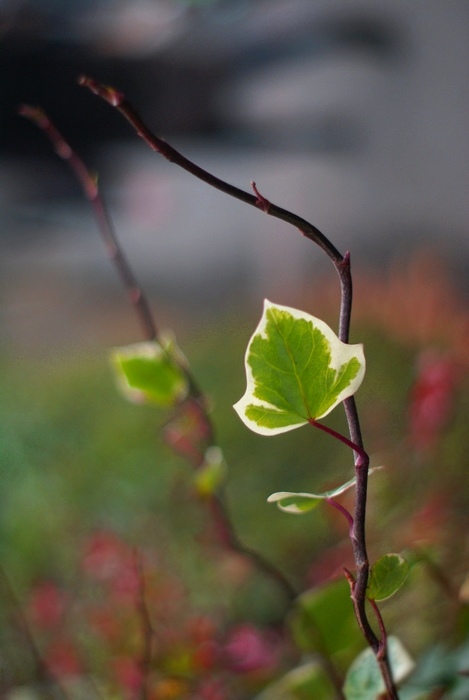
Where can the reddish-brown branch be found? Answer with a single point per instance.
(230, 540)
(146, 627)
(118, 100)
(342, 266)
(90, 187)
(117, 256)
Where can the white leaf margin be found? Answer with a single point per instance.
(280, 496)
(341, 353)
(152, 350)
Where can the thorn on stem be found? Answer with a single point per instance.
(350, 579)
(345, 262)
(261, 202)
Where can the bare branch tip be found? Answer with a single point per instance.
(107, 92)
(35, 114)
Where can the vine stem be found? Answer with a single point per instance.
(52, 686)
(117, 99)
(89, 183)
(342, 266)
(147, 631)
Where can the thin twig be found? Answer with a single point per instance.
(90, 188)
(117, 99)
(342, 266)
(229, 537)
(150, 330)
(146, 627)
(52, 685)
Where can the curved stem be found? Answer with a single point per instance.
(90, 188)
(231, 540)
(342, 266)
(347, 515)
(118, 100)
(117, 256)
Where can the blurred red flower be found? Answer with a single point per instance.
(46, 605)
(431, 398)
(249, 649)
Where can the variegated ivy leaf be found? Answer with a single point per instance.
(150, 373)
(297, 370)
(299, 503)
(364, 681)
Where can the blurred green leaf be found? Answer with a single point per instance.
(211, 475)
(148, 372)
(302, 683)
(387, 576)
(364, 681)
(440, 668)
(324, 621)
(296, 369)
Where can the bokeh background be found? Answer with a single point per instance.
(352, 114)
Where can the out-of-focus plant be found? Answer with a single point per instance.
(144, 641)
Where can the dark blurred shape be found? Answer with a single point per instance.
(354, 115)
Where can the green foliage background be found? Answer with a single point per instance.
(76, 457)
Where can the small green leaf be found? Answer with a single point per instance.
(299, 503)
(297, 369)
(148, 373)
(210, 476)
(387, 575)
(364, 681)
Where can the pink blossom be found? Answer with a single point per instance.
(249, 649)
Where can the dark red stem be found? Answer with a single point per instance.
(117, 99)
(89, 184)
(342, 265)
(362, 455)
(90, 187)
(338, 506)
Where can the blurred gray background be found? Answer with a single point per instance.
(352, 113)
